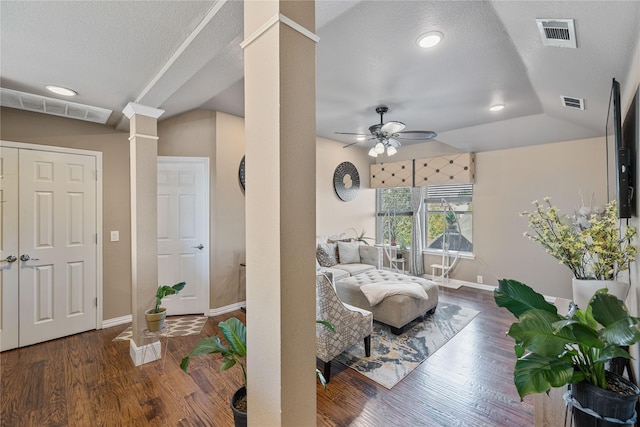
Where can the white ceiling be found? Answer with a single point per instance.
(183, 55)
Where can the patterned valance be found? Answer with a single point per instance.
(451, 169)
(394, 174)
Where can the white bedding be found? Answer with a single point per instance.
(376, 292)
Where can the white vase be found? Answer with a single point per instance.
(583, 290)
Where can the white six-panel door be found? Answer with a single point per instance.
(183, 232)
(9, 248)
(49, 223)
(58, 233)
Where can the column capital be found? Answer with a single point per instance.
(143, 110)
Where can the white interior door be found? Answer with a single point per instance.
(9, 310)
(183, 232)
(58, 245)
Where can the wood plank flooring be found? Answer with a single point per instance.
(88, 380)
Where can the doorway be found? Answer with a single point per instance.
(50, 271)
(183, 232)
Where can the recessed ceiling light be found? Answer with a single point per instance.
(59, 90)
(496, 107)
(429, 39)
(361, 138)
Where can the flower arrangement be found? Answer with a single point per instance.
(591, 243)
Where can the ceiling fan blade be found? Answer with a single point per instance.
(392, 127)
(353, 143)
(351, 133)
(417, 135)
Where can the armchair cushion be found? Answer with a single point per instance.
(351, 325)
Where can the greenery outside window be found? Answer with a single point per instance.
(444, 204)
(394, 216)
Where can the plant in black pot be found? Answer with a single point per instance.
(233, 354)
(155, 316)
(554, 350)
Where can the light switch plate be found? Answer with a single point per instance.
(115, 236)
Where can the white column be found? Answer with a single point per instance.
(143, 168)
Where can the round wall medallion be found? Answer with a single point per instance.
(346, 181)
(241, 174)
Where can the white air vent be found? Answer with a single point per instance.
(573, 102)
(57, 107)
(557, 32)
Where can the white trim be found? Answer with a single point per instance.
(227, 308)
(142, 135)
(99, 240)
(142, 110)
(479, 286)
(274, 20)
(116, 321)
(438, 252)
(185, 44)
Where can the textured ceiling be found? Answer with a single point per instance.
(182, 55)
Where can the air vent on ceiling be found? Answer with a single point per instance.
(57, 107)
(573, 102)
(557, 32)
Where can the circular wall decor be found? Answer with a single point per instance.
(346, 181)
(241, 174)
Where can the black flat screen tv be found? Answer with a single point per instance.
(623, 158)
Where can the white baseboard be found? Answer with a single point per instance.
(117, 321)
(227, 308)
(145, 353)
(479, 286)
(212, 312)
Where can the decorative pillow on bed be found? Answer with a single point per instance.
(349, 252)
(326, 255)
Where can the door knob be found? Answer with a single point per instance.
(9, 259)
(26, 257)
(200, 246)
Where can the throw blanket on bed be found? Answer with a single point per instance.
(376, 292)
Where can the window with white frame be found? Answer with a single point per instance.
(449, 218)
(394, 216)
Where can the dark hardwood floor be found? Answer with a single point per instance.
(88, 380)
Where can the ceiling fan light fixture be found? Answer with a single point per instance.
(59, 90)
(379, 148)
(373, 152)
(391, 150)
(430, 39)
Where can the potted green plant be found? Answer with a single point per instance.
(155, 316)
(554, 350)
(362, 237)
(233, 354)
(591, 243)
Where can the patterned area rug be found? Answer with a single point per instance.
(177, 327)
(393, 357)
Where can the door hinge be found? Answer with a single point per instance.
(96, 301)
(96, 238)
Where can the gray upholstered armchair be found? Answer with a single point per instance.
(351, 324)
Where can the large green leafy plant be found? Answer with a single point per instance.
(233, 353)
(591, 243)
(553, 350)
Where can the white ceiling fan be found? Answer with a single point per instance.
(388, 135)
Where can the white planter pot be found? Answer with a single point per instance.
(583, 290)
